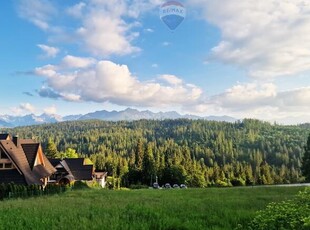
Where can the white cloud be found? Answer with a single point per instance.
(110, 82)
(149, 30)
(267, 38)
(27, 107)
(70, 61)
(103, 28)
(258, 100)
(23, 108)
(49, 50)
(39, 12)
(154, 65)
(247, 96)
(166, 43)
(104, 32)
(47, 70)
(76, 10)
(171, 79)
(50, 110)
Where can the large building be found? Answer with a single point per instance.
(22, 161)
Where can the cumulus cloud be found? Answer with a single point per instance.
(171, 79)
(267, 38)
(70, 61)
(247, 96)
(27, 107)
(48, 92)
(76, 10)
(102, 28)
(258, 100)
(105, 32)
(110, 82)
(23, 108)
(48, 50)
(50, 110)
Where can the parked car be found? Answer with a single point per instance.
(167, 185)
(156, 186)
(176, 186)
(183, 186)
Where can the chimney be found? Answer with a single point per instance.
(16, 141)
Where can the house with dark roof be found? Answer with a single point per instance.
(71, 169)
(22, 161)
(101, 178)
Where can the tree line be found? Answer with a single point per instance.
(196, 152)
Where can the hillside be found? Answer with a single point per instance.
(196, 152)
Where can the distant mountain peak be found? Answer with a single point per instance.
(128, 114)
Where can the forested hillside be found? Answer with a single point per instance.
(197, 152)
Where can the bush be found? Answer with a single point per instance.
(291, 214)
(80, 185)
(12, 190)
(220, 183)
(237, 182)
(138, 186)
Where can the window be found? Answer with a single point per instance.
(3, 155)
(8, 165)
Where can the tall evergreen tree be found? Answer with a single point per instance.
(306, 161)
(139, 154)
(51, 150)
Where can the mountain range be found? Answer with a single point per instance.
(128, 114)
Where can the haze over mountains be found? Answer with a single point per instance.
(127, 114)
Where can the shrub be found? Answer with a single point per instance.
(138, 186)
(291, 214)
(238, 182)
(80, 185)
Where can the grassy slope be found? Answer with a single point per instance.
(213, 208)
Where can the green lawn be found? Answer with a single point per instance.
(211, 208)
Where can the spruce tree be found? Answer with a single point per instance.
(51, 150)
(306, 161)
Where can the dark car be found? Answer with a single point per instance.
(176, 186)
(183, 186)
(167, 185)
(156, 186)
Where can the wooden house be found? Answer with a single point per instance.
(71, 169)
(22, 161)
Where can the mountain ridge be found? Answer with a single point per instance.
(129, 114)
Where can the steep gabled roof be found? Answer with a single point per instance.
(31, 151)
(4, 136)
(78, 169)
(20, 160)
(28, 159)
(48, 165)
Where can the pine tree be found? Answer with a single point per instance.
(51, 150)
(306, 161)
(148, 169)
(139, 154)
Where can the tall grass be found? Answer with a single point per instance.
(213, 208)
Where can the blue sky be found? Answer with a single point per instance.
(229, 57)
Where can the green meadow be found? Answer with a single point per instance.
(211, 208)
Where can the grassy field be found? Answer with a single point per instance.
(212, 208)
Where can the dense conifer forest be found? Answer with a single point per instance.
(196, 152)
